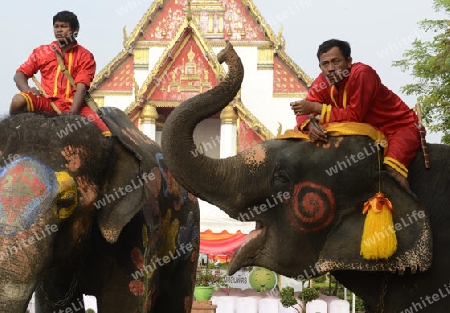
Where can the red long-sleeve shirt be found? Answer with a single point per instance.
(361, 98)
(79, 62)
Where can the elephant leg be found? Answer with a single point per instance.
(115, 296)
(72, 303)
(59, 292)
(177, 287)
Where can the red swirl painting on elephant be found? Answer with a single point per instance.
(312, 208)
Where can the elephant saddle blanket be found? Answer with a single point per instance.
(340, 129)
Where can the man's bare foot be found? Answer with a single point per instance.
(400, 178)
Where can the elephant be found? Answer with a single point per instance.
(81, 213)
(308, 211)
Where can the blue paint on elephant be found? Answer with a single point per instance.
(159, 157)
(26, 186)
(188, 233)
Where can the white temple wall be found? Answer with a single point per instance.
(257, 93)
(154, 54)
(121, 102)
(207, 138)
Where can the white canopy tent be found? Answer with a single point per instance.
(212, 218)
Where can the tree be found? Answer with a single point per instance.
(90, 311)
(429, 62)
(288, 297)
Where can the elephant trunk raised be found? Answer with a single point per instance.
(217, 179)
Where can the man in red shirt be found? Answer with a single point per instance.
(58, 93)
(347, 92)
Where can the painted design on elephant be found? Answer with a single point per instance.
(158, 158)
(73, 157)
(192, 198)
(88, 191)
(171, 229)
(175, 189)
(151, 209)
(189, 234)
(149, 246)
(254, 156)
(143, 287)
(136, 286)
(26, 186)
(154, 185)
(312, 207)
(132, 134)
(67, 190)
(332, 141)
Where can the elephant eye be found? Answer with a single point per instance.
(281, 177)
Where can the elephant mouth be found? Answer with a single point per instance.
(249, 249)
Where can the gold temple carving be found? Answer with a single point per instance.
(191, 78)
(209, 15)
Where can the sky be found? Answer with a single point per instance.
(378, 31)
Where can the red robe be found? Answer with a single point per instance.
(81, 65)
(363, 98)
(79, 62)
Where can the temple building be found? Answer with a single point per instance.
(170, 56)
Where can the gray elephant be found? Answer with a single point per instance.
(309, 211)
(84, 214)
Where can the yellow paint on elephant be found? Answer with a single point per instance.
(144, 236)
(171, 229)
(67, 189)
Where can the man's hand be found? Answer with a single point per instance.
(316, 132)
(305, 107)
(35, 91)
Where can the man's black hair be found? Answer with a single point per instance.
(326, 46)
(69, 17)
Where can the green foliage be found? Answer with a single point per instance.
(287, 297)
(429, 63)
(320, 279)
(306, 295)
(210, 276)
(359, 305)
(90, 311)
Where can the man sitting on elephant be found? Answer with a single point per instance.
(57, 94)
(347, 92)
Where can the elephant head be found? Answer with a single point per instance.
(305, 197)
(47, 188)
(80, 213)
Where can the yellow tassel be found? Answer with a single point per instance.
(378, 240)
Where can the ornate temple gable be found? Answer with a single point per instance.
(285, 82)
(109, 70)
(237, 20)
(166, 22)
(186, 68)
(188, 75)
(246, 137)
(217, 19)
(250, 129)
(120, 80)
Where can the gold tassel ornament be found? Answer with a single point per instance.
(379, 240)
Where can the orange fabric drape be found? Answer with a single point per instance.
(222, 243)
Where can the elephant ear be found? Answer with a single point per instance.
(411, 225)
(125, 191)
